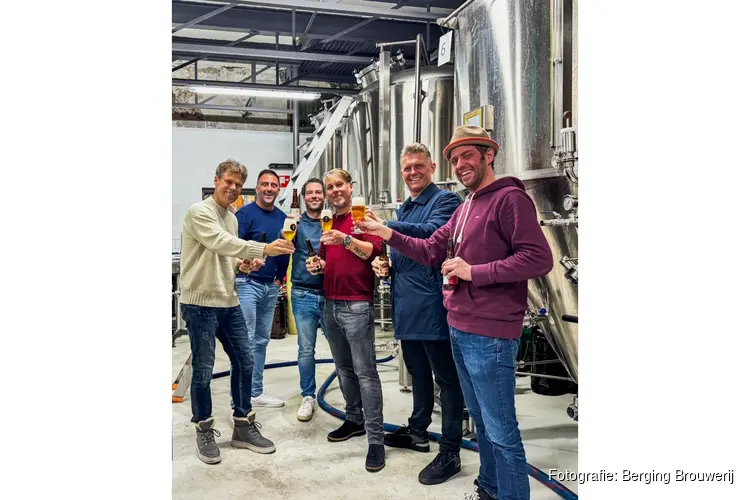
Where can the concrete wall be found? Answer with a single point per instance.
(197, 152)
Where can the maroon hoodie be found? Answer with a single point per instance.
(505, 247)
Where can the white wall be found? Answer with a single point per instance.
(197, 152)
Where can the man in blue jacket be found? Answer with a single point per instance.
(308, 303)
(419, 319)
(259, 291)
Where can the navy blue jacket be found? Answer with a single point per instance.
(252, 221)
(417, 290)
(308, 229)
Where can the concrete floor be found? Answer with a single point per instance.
(305, 465)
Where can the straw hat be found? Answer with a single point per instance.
(466, 135)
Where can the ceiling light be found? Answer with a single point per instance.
(280, 94)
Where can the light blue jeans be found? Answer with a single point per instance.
(258, 303)
(308, 307)
(486, 369)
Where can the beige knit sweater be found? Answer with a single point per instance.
(211, 252)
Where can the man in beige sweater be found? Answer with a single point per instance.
(211, 255)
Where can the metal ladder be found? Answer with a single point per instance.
(316, 148)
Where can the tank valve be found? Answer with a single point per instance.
(558, 221)
(573, 409)
(566, 155)
(572, 269)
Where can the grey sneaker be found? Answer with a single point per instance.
(208, 452)
(247, 435)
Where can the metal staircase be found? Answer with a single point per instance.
(316, 148)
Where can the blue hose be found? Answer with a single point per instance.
(284, 364)
(537, 474)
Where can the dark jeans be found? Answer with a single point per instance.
(351, 335)
(422, 359)
(486, 368)
(204, 326)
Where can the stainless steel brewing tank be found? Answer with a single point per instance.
(502, 58)
(436, 127)
(362, 130)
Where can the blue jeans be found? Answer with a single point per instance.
(258, 303)
(204, 326)
(351, 336)
(308, 307)
(486, 369)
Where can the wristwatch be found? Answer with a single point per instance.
(385, 223)
(347, 241)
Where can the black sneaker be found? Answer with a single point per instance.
(406, 437)
(247, 435)
(445, 465)
(205, 434)
(346, 431)
(375, 458)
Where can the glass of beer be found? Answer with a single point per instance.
(290, 229)
(358, 211)
(326, 220)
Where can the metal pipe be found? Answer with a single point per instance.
(539, 375)
(388, 44)
(183, 105)
(556, 26)
(384, 122)
(444, 22)
(295, 129)
(523, 364)
(417, 90)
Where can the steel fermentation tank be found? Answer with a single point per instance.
(502, 58)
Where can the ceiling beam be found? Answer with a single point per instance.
(195, 49)
(182, 82)
(222, 107)
(202, 18)
(269, 22)
(344, 9)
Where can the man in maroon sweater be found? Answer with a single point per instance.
(499, 246)
(348, 286)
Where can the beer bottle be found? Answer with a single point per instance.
(385, 271)
(452, 282)
(295, 204)
(263, 238)
(311, 254)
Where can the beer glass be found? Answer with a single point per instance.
(358, 211)
(290, 229)
(326, 220)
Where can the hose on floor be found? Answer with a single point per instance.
(537, 474)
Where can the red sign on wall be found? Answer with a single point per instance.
(284, 180)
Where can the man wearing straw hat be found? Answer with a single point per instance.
(498, 246)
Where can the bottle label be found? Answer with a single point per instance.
(450, 281)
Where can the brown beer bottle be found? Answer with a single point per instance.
(311, 254)
(384, 261)
(452, 282)
(295, 208)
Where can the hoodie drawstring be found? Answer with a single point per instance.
(467, 207)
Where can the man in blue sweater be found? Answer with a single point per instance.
(419, 320)
(308, 303)
(259, 291)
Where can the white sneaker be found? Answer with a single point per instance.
(264, 400)
(306, 409)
